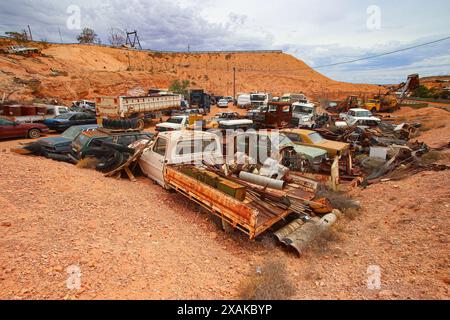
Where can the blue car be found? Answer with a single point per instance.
(63, 143)
(67, 120)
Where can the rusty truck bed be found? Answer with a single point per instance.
(249, 216)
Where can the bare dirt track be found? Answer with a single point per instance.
(136, 240)
(72, 72)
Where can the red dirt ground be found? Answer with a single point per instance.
(136, 240)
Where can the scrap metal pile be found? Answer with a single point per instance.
(386, 152)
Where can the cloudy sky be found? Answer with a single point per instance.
(320, 32)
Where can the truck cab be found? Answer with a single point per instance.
(179, 147)
(303, 114)
(274, 116)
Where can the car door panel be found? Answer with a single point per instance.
(153, 161)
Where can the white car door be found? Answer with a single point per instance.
(152, 162)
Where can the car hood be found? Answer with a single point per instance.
(169, 125)
(334, 145)
(54, 141)
(55, 121)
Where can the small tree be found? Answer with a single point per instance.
(180, 87)
(88, 36)
(116, 37)
(422, 92)
(19, 36)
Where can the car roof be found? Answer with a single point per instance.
(358, 109)
(186, 134)
(236, 122)
(368, 118)
(100, 134)
(298, 131)
(86, 126)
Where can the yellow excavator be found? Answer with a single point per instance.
(387, 102)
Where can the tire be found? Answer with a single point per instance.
(34, 133)
(140, 124)
(111, 163)
(374, 110)
(106, 123)
(134, 123)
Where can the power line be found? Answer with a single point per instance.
(328, 65)
(382, 54)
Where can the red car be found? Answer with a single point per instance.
(11, 129)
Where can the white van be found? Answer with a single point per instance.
(243, 101)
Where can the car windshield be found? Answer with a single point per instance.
(258, 97)
(303, 109)
(315, 137)
(81, 140)
(71, 133)
(175, 120)
(64, 116)
(363, 114)
(283, 140)
(195, 146)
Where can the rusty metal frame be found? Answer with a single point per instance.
(239, 215)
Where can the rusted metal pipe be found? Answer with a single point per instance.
(262, 181)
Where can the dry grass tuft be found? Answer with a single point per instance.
(430, 157)
(322, 242)
(271, 283)
(87, 163)
(340, 200)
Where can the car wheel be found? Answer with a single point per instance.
(374, 110)
(106, 123)
(134, 123)
(140, 124)
(34, 133)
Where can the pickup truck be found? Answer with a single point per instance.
(168, 161)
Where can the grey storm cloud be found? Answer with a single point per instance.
(161, 25)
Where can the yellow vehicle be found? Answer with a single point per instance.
(314, 139)
(372, 105)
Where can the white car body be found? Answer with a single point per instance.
(356, 113)
(305, 112)
(170, 148)
(361, 122)
(223, 103)
(260, 99)
(173, 124)
(244, 101)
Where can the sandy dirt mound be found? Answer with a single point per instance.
(70, 72)
(136, 240)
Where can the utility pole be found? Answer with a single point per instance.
(29, 30)
(60, 36)
(234, 83)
